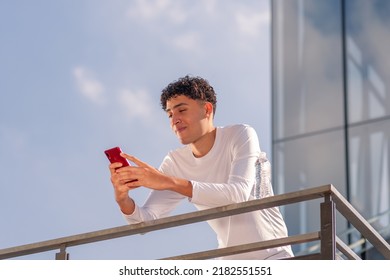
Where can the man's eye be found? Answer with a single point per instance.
(182, 110)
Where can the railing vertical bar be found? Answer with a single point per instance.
(328, 229)
(62, 255)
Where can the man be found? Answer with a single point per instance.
(215, 167)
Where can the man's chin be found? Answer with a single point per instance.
(184, 141)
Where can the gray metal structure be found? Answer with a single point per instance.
(331, 246)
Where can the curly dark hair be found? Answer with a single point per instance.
(195, 88)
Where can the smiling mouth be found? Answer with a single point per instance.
(180, 130)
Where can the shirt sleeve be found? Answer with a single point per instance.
(157, 205)
(245, 150)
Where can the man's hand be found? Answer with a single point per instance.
(141, 175)
(131, 177)
(147, 176)
(126, 204)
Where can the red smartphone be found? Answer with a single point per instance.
(113, 155)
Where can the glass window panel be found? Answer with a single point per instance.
(308, 117)
(368, 33)
(370, 171)
(307, 72)
(305, 163)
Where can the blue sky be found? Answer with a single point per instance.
(78, 77)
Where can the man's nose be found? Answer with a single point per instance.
(175, 120)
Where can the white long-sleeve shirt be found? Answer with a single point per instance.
(226, 175)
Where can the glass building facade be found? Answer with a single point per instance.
(331, 106)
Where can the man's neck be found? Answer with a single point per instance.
(203, 145)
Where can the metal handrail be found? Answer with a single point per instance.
(355, 244)
(332, 199)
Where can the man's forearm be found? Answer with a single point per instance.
(127, 206)
(181, 186)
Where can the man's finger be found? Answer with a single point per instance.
(134, 159)
(114, 166)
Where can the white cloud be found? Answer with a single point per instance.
(88, 85)
(153, 9)
(136, 103)
(251, 23)
(187, 42)
(209, 6)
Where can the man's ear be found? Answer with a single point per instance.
(209, 108)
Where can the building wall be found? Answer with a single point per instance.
(331, 105)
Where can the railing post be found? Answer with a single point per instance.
(62, 255)
(328, 229)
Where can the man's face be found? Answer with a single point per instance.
(189, 119)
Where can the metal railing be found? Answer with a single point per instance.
(359, 246)
(326, 236)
